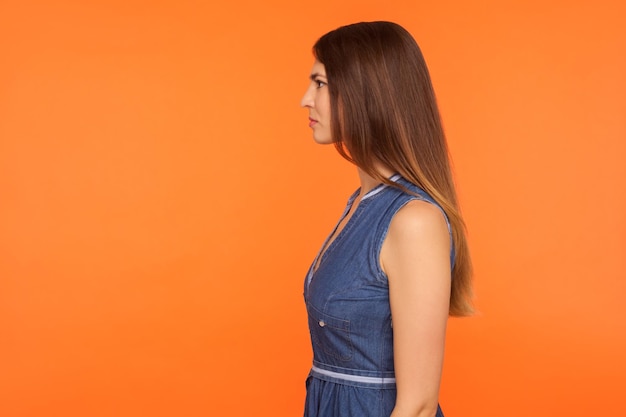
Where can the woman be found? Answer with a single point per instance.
(396, 265)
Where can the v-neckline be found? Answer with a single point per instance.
(335, 235)
(328, 246)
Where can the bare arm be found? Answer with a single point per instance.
(416, 258)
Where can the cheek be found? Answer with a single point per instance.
(323, 106)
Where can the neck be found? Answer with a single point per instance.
(368, 182)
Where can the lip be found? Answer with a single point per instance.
(312, 122)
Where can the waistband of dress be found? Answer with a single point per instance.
(353, 379)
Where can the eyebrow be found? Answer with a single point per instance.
(315, 75)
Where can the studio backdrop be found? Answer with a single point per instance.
(161, 198)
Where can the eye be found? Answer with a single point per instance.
(319, 83)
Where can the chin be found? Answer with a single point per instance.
(322, 141)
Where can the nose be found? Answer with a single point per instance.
(307, 99)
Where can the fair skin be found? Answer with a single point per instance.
(415, 258)
(317, 101)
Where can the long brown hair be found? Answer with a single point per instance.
(384, 110)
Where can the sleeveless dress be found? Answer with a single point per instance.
(347, 301)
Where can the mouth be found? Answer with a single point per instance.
(312, 122)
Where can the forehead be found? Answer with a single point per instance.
(318, 69)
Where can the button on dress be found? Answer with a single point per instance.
(347, 302)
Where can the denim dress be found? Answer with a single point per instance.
(347, 301)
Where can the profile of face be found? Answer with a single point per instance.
(317, 100)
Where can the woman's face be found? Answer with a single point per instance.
(317, 101)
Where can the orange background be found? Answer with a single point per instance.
(161, 198)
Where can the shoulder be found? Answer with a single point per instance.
(418, 235)
(418, 219)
